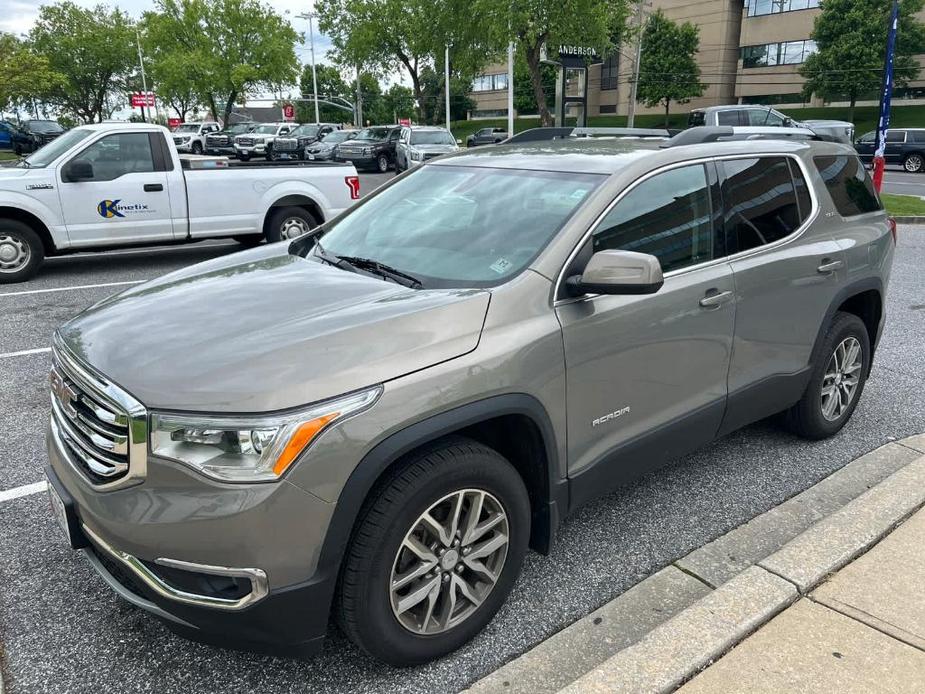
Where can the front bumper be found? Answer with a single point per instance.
(221, 151)
(258, 150)
(166, 546)
(360, 161)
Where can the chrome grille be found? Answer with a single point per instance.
(101, 430)
(217, 140)
(245, 141)
(286, 145)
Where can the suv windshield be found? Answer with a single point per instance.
(304, 131)
(431, 137)
(43, 126)
(240, 128)
(47, 154)
(187, 128)
(267, 129)
(459, 226)
(336, 136)
(373, 134)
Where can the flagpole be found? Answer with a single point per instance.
(886, 94)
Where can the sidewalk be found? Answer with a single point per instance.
(863, 630)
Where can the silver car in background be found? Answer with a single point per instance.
(418, 143)
(323, 149)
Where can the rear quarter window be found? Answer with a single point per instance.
(848, 183)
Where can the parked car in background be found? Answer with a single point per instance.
(122, 184)
(418, 143)
(221, 143)
(372, 148)
(35, 134)
(191, 137)
(259, 141)
(323, 149)
(293, 145)
(378, 420)
(904, 146)
(7, 132)
(757, 115)
(486, 136)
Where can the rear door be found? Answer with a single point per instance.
(647, 374)
(895, 150)
(126, 200)
(785, 279)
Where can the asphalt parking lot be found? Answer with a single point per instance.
(897, 181)
(61, 628)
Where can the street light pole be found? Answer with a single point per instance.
(446, 80)
(510, 89)
(144, 82)
(311, 44)
(631, 107)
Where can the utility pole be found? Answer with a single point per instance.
(144, 82)
(631, 108)
(359, 100)
(510, 89)
(446, 80)
(311, 43)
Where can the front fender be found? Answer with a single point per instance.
(47, 211)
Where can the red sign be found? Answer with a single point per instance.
(140, 99)
(404, 121)
(173, 123)
(288, 112)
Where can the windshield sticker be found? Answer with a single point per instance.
(501, 265)
(578, 194)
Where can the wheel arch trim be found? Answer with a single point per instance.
(858, 287)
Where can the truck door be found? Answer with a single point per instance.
(115, 191)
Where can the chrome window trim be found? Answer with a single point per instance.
(813, 213)
(121, 401)
(257, 577)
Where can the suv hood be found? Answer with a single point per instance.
(435, 149)
(264, 330)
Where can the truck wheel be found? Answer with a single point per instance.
(434, 553)
(21, 252)
(244, 157)
(836, 382)
(197, 148)
(271, 155)
(914, 163)
(288, 223)
(382, 163)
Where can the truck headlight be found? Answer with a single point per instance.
(256, 448)
(416, 156)
(367, 150)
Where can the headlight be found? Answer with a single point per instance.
(249, 448)
(367, 150)
(416, 156)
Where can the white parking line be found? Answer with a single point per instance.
(25, 352)
(25, 490)
(78, 286)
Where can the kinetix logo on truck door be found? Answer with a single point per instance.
(114, 208)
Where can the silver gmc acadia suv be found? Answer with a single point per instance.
(375, 420)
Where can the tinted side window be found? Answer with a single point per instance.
(760, 201)
(917, 135)
(117, 155)
(729, 118)
(696, 118)
(895, 135)
(849, 184)
(764, 117)
(668, 216)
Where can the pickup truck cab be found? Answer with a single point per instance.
(259, 141)
(121, 184)
(755, 115)
(191, 137)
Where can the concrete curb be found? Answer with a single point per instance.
(665, 629)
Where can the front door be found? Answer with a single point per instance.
(6, 139)
(127, 200)
(647, 374)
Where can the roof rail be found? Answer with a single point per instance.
(546, 134)
(708, 133)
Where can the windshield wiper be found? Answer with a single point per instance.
(330, 258)
(383, 270)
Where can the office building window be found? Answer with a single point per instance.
(490, 83)
(610, 69)
(771, 54)
(757, 8)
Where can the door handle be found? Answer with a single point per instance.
(154, 187)
(830, 266)
(714, 299)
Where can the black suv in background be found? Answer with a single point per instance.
(372, 148)
(222, 142)
(292, 146)
(904, 146)
(35, 134)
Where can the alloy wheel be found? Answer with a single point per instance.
(383, 163)
(841, 379)
(293, 227)
(449, 561)
(913, 163)
(14, 253)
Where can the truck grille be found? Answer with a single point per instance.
(245, 141)
(101, 429)
(285, 145)
(217, 141)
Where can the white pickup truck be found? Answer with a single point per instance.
(122, 184)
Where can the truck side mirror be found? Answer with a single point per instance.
(78, 170)
(618, 272)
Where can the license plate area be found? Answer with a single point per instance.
(65, 514)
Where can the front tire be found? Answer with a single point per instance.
(382, 163)
(837, 380)
(244, 157)
(435, 553)
(197, 148)
(21, 252)
(914, 163)
(288, 223)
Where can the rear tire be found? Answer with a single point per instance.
(836, 382)
(455, 473)
(914, 163)
(21, 251)
(289, 223)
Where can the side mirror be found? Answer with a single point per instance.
(78, 170)
(618, 272)
(458, 141)
(788, 122)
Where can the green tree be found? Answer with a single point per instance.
(534, 24)
(668, 70)
(24, 75)
(93, 50)
(851, 38)
(230, 49)
(399, 101)
(330, 84)
(375, 108)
